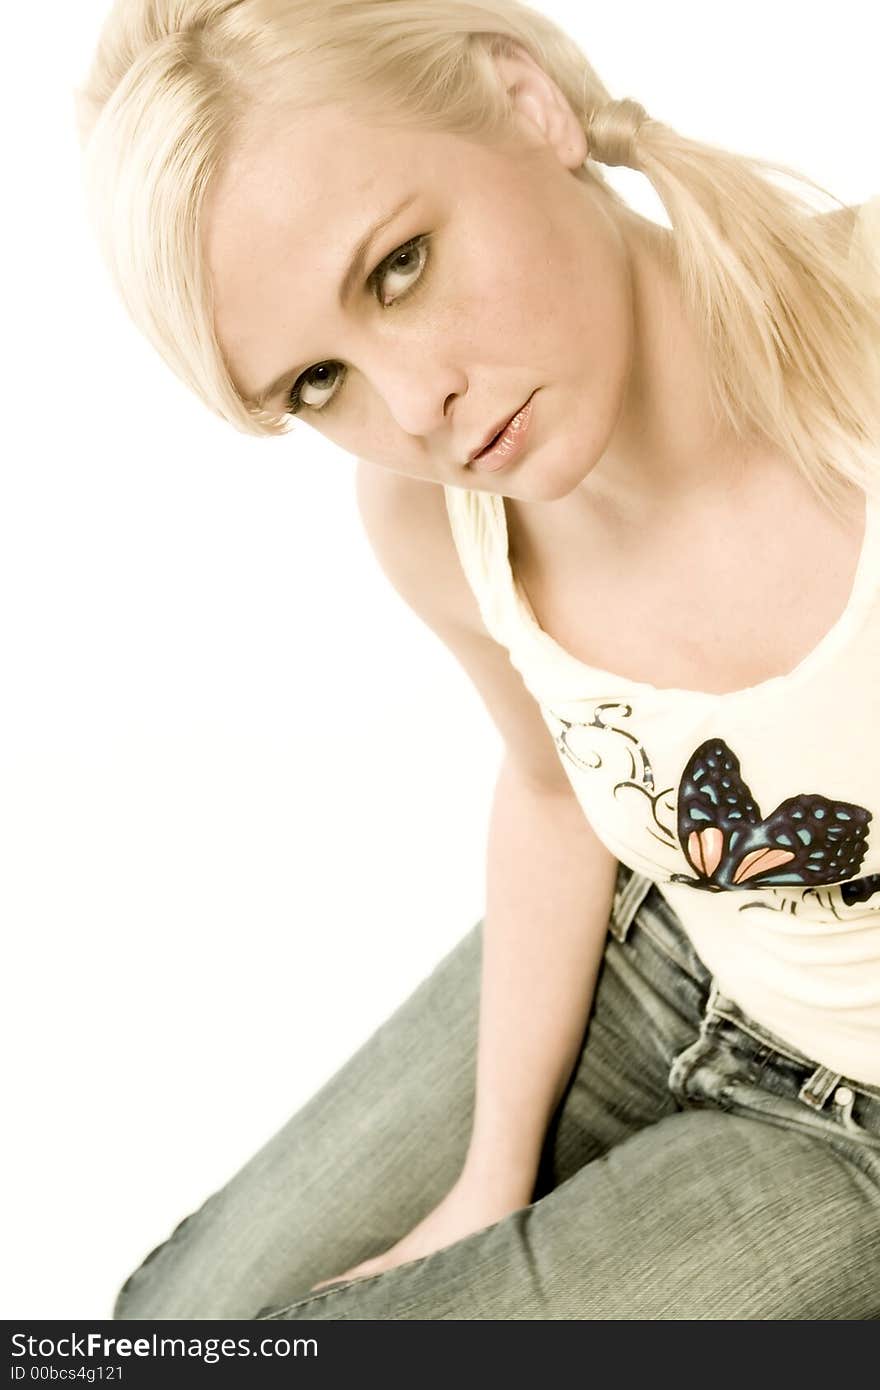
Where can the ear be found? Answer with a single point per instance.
(540, 107)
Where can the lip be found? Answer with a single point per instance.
(508, 446)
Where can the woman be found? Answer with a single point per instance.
(629, 475)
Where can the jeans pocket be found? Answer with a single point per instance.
(640, 909)
(741, 1067)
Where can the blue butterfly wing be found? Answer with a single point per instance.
(807, 841)
(827, 840)
(716, 809)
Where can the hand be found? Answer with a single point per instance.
(469, 1206)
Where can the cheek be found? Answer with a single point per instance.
(542, 296)
(593, 316)
(363, 428)
(493, 312)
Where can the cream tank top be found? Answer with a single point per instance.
(756, 812)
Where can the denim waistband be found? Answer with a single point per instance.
(817, 1086)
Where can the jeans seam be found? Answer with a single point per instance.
(627, 904)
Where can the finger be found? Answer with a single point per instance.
(322, 1284)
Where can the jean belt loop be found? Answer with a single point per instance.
(818, 1087)
(631, 891)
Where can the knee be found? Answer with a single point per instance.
(136, 1299)
(133, 1303)
(140, 1297)
(125, 1302)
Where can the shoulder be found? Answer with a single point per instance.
(407, 524)
(398, 494)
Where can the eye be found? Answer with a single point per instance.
(414, 256)
(316, 381)
(319, 385)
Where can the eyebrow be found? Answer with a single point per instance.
(352, 274)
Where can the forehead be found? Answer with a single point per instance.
(288, 205)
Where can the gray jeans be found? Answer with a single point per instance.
(696, 1167)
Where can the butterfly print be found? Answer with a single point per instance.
(808, 840)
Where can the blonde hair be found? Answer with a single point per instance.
(787, 303)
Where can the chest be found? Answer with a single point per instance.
(714, 601)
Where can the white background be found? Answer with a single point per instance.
(243, 791)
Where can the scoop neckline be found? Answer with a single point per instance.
(863, 585)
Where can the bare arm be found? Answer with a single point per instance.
(548, 892)
(550, 884)
(549, 879)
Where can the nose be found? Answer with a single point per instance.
(419, 390)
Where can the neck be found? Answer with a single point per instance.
(666, 448)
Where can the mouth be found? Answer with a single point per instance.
(505, 442)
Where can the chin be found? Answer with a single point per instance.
(549, 484)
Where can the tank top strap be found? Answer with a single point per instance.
(482, 549)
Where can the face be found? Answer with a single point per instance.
(496, 279)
